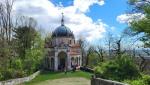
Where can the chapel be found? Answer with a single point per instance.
(63, 51)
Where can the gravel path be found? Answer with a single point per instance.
(66, 81)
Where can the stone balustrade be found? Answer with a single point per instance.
(19, 80)
(100, 81)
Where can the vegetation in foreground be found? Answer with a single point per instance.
(56, 75)
(21, 44)
(144, 80)
(122, 69)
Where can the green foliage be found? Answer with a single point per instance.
(17, 64)
(142, 25)
(25, 37)
(27, 59)
(93, 60)
(144, 80)
(34, 55)
(1, 76)
(119, 69)
(10, 73)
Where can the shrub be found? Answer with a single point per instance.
(144, 80)
(7, 74)
(17, 64)
(1, 76)
(19, 74)
(121, 68)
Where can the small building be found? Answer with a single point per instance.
(62, 50)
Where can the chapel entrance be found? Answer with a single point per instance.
(62, 61)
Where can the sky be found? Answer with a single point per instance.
(89, 19)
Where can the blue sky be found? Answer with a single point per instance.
(90, 19)
(107, 13)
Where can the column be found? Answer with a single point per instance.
(69, 61)
(80, 60)
(56, 61)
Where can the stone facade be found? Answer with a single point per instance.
(63, 52)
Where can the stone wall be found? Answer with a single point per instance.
(100, 81)
(19, 80)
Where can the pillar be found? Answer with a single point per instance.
(69, 61)
(56, 61)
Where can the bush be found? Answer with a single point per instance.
(19, 74)
(17, 64)
(7, 74)
(119, 69)
(144, 80)
(1, 76)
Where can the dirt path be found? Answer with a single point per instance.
(66, 81)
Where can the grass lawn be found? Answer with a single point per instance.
(58, 75)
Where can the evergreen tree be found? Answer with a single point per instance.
(142, 25)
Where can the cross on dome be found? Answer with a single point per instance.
(62, 20)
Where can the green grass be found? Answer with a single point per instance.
(57, 75)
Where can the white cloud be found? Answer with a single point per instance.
(127, 18)
(48, 16)
(83, 5)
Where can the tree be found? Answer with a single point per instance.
(6, 24)
(121, 68)
(117, 45)
(89, 52)
(83, 45)
(100, 52)
(109, 42)
(142, 25)
(24, 37)
(6, 27)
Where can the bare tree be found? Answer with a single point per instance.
(83, 45)
(117, 45)
(109, 42)
(6, 27)
(143, 61)
(6, 24)
(100, 52)
(89, 51)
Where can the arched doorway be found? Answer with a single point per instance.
(62, 61)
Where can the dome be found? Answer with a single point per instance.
(62, 31)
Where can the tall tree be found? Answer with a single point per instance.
(109, 42)
(6, 27)
(25, 37)
(83, 45)
(142, 25)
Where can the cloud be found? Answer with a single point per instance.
(48, 16)
(127, 18)
(83, 5)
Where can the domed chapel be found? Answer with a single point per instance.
(62, 51)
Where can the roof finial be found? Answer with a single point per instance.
(62, 20)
